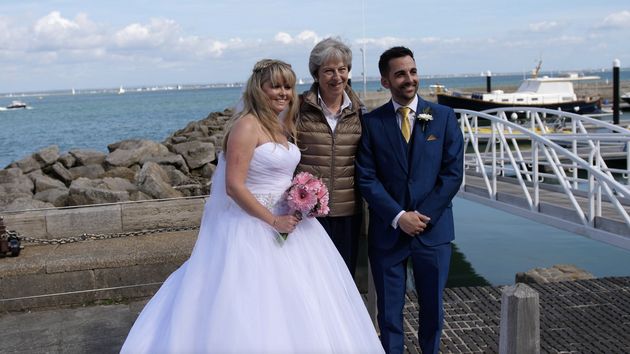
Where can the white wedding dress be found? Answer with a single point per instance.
(242, 291)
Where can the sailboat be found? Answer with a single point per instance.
(73, 92)
(121, 90)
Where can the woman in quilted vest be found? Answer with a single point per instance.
(328, 132)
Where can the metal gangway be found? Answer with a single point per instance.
(559, 168)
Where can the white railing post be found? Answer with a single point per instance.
(493, 141)
(599, 182)
(535, 175)
(574, 150)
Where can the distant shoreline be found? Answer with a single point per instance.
(306, 81)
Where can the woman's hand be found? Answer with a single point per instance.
(285, 223)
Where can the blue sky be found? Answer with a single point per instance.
(60, 44)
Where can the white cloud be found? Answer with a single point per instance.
(617, 20)
(304, 37)
(384, 42)
(54, 32)
(543, 26)
(155, 34)
(307, 37)
(283, 37)
(54, 24)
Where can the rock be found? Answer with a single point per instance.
(56, 196)
(196, 153)
(27, 164)
(33, 175)
(8, 195)
(207, 171)
(152, 180)
(121, 172)
(138, 195)
(85, 191)
(190, 190)
(67, 160)
(15, 181)
(169, 159)
(119, 184)
(175, 176)
(179, 139)
(61, 172)
(44, 182)
(47, 156)
(88, 157)
(89, 171)
(129, 152)
(27, 203)
(217, 139)
(559, 272)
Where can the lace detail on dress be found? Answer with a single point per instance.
(271, 201)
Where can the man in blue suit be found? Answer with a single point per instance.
(409, 168)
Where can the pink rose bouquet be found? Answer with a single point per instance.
(307, 196)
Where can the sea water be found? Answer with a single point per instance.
(492, 245)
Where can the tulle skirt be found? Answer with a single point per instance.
(242, 291)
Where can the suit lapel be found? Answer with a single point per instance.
(419, 138)
(392, 131)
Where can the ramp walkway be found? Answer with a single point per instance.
(546, 165)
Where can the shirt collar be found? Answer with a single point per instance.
(413, 105)
(345, 104)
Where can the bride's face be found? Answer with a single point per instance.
(280, 94)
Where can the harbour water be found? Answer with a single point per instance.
(495, 244)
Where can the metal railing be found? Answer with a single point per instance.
(536, 148)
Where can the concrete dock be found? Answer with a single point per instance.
(83, 298)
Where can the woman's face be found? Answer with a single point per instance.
(333, 78)
(280, 94)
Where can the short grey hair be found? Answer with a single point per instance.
(326, 49)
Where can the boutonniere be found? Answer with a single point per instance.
(425, 117)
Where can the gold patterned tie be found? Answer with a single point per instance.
(405, 128)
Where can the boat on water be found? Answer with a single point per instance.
(16, 105)
(544, 92)
(121, 90)
(626, 97)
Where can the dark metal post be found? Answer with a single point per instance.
(616, 65)
(488, 81)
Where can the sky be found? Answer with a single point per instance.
(82, 44)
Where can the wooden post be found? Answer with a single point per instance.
(520, 321)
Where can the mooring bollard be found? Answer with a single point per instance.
(520, 321)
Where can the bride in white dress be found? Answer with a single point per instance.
(242, 291)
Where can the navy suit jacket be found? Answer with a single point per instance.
(424, 179)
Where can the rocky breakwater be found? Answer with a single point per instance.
(132, 170)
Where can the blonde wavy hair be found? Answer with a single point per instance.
(257, 103)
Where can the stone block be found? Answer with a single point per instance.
(41, 284)
(556, 273)
(134, 275)
(30, 223)
(76, 221)
(162, 213)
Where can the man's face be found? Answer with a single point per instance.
(402, 79)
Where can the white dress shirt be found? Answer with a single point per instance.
(333, 117)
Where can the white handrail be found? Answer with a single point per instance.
(600, 179)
